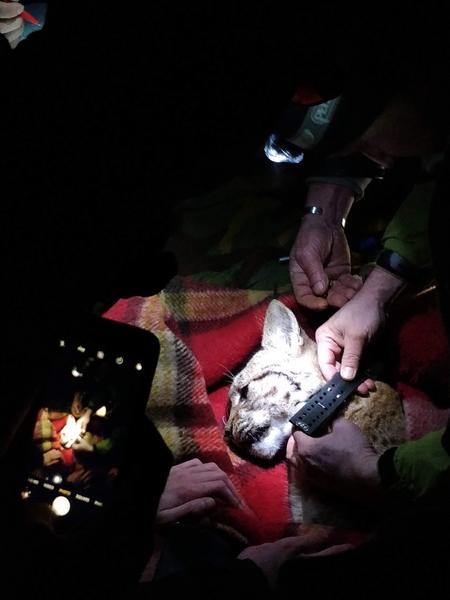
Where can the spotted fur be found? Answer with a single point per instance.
(277, 381)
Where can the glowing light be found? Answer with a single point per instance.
(277, 153)
(61, 506)
(81, 349)
(82, 498)
(57, 479)
(139, 367)
(25, 494)
(100, 354)
(76, 372)
(119, 360)
(62, 343)
(101, 412)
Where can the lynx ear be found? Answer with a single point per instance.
(281, 331)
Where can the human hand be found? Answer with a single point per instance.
(195, 488)
(272, 556)
(342, 461)
(319, 265)
(82, 445)
(80, 475)
(11, 23)
(341, 339)
(83, 421)
(51, 457)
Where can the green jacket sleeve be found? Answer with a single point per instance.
(417, 469)
(407, 232)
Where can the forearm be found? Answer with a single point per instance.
(381, 287)
(417, 469)
(357, 185)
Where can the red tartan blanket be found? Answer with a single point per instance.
(206, 333)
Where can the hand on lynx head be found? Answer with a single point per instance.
(274, 384)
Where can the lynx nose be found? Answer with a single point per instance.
(254, 435)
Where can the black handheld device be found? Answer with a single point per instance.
(322, 405)
(96, 388)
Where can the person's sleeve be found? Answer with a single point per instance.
(417, 469)
(407, 232)
(356, 184)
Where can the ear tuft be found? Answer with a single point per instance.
(281, 331)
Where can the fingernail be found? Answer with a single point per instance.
(348, 372)
(319, 287)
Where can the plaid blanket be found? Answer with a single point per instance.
(209, 321)
(206, 333)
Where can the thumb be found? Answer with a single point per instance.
(9, 10)
(198, 507)
(310, 263)
(305, 444)
(350, 358)
(313, 268)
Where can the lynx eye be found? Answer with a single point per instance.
(243, 392)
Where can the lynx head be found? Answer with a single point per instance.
(272, 387)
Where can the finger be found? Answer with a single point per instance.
(302, 287)
(305, 444)
(340, 294)
(218, 490)
(15, 43)
(337, 549)
(310, 301)
(216, 473)
(350, 281)
(15, 36)
(10, 25)
(304, 293)
(351, 356)
(293, 545)
(9, 10)
(367, 386)
(327, 356)
(222, 478)
(339, 298)
(187, 464)
(311, 264)
(199, 506)
(219, 479)
(291, 449)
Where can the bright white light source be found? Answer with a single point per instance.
(60, 506)
(81, 349)
(101, 412)
(57, 479)
(76, 372)
(100, 354)
(278, 154)
(138, 367)
(62, 343)
(119, 360)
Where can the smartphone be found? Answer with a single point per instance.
(96, 387)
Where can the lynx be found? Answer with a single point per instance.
(275, 384)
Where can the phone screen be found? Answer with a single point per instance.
(97, 385)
